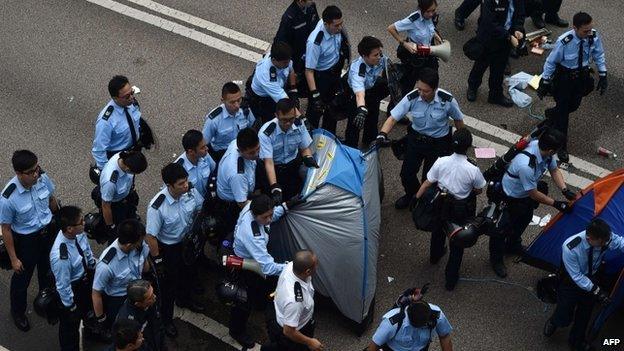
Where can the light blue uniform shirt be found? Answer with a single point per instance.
(27, 210)
(282, 146)
(198, 174)
(359, 82)
(112, 278)
(115, 191)
(68, 270)
(409, 338)
(172, 220)
(576, 259)
(269, 80)
(419, 30)
(221, 127)
(233, 185)
(566, 53)
(112, 132)
(527, 176)
(248, 244)
(429, 118)
(323, 56)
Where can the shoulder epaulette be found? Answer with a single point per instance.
(270, 129)
(180, 161)
(9, 190)
(297, 122)
(214, 113)
(109, 255)
(413, 17)
(567, 39)
(398, 317)
(240, 167)
(41, 171)
(246, 111)
(273, 74)
(362, 71)
(436, 315)
(63, 253)
(574, 242)
(472, 161)
(136, 103)
(444, 96)
(319, 38)
(298, 292)
(255, 228)
(159, 200)
(114, 176)
(413, 95)
(108, 113)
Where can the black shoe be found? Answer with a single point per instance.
(557, 21)
(563, 156)
(21, 322)
(191, 305)
(403, 202)
(500, 269)
(436, 259)
(471, 95)
(549, 328)
(538, 22)
(171, 330)
(450, 284)
(460, 23)
(244, 340)
(501, 101)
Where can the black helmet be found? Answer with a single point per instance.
(5, 260)
(94, 174)
(47, 305)
(231, 293)
(462, 236)
(94, 227)
(547, 288)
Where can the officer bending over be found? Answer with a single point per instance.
(169, 219)
(141, 306)
(196, 161)
(127, 335)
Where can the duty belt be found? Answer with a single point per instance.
(573, 73)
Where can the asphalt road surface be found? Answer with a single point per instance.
(58, 55)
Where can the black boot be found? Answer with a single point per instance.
(556, 20)
(501, 100)
(538, 21)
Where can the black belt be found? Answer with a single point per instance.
(426, 138)
(40, 231)
(572, 73)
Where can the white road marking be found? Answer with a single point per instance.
(2, 348)
(207, 325)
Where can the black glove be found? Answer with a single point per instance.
(159, 266)
(276, 194)
(310, 162)
(294, 202)
(568, 194)
(544, 88)
(360, 117)
(293, 94)
(316, 102)
(382, 139)
(602, 83)
(73, 313)
(601, 297)
(562, 206)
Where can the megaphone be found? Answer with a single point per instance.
(235, 262)
(442, 51)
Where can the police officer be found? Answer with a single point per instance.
(71, 259)
(295, 26)
(411, 329)
(196, 161)
(326, 50)
(463, 11)
(293, 327)
(26, 207)
(127, 335)
(281, 141)
(273, 72)
(566, 73)
(117, 125)
(523, 192)
(140, 305)
(169, 219)
(120, 263)
(369, 87)
(225, 121)
(429, 136)
(461, 180)
(117, 197)
(420, 31)
(236, 175)
(501, 25)
(582, 256)
(551, 8)
(251, 237)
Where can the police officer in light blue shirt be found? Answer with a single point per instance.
(196, 161)
(566, 70)
(582, 256)
(122, 262)
(70, 259)
(523, 192)
(429, 136)
(117, 125)
(169, 219)
(225, 121)
(26, 207)
(411, 329)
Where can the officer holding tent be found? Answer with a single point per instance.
(582, 256)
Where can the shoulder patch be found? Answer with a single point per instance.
(574, 243)
(159, 200)
(444, 96)
(63, 253)
(297, 122)
(180, 161)
(214, 113)
(298, 292)
(270, 129)
(9, 190)
(255, 228)
(114, 176)
(413, 95)
(109, 255)
(273, 74)
(397, 317)
(240, 166)
(567, 39)
(319, 38)
(413, 17)
(362, 71)
(108, 113)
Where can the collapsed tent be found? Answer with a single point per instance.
(602, 199)
(340, 222)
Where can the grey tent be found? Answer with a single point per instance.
(339, 222)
